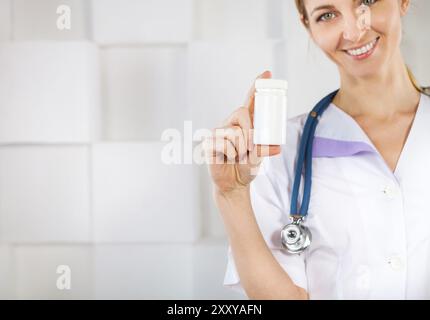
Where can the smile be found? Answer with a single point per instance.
(364, 51)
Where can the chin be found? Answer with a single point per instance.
(360, 69)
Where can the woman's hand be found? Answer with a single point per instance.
(233, 159)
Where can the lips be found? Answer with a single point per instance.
(363, 51)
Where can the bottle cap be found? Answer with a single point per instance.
(271, 84)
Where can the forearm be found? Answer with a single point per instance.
(261, 275)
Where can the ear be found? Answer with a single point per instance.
(306, 25)
(404, 7)
(304, 21)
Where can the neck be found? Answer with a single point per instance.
(380, 96)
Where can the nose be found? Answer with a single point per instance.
(357, 24)
(351, 30)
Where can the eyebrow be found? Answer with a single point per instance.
(327, 6)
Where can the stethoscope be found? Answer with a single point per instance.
(294, 236)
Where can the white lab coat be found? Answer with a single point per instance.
(370, 226)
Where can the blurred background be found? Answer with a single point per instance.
(88, 209)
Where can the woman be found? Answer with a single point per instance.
(368, 212)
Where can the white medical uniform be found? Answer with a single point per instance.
(370, 226)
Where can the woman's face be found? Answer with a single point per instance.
(339, 26)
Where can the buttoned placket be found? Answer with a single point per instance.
(392, 266)
(396, 255)
(392, 270)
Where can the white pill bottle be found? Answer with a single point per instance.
(270, 112)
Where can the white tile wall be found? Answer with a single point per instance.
(117, 271)
(36, 271)
(220, 76)
(237, 20)
(6, 284)
(44, 194)
(37, 20)
(209, 263)
(151, 271)
(144, 271)
(137, 198)
(144, 91)
(5, 20)
(416, 43)
(142, 21)
(49, 92)
(212, 221)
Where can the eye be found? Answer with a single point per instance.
(369, 2)
(326, 16)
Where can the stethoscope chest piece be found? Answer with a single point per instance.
(295, 237)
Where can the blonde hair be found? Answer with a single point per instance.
(305, 20)
(300, 4)
(415, 82)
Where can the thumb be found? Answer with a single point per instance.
(265, 75)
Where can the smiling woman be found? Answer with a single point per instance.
(323, 12)
(368, 164)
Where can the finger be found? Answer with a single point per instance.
(242, 118)
(268, 151)
(261, 151)
(215, 153)
(236, 136)
(217, 149)
(239, 117)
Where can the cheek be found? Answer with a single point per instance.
(328, 40)
(388, 24)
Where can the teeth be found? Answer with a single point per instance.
(362, 50)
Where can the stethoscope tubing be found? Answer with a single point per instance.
(305, 158)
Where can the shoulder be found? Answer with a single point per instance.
(295, 127)
(298, 120)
